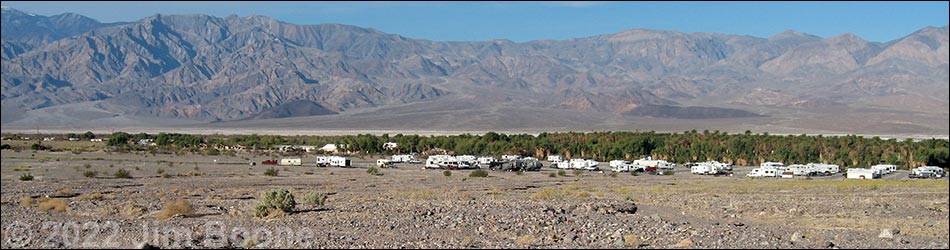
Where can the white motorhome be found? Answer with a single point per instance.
(773, 165)
(384, 163)
(554, 158)
(510, 157)
(333, 161)
(801, 170)
(885, 168)
(862, 173)
(445, 162)
(928, 172)
(764, 172)
(704, 168)
(825, 169)
(650, 162)
(470, 160)
(583, 164)
(403, 158)
(486, 161)
(290, 162)
(621, 166)
(721, 166)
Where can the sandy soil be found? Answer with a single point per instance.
(409, 206)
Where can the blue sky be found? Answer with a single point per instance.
(525, 21)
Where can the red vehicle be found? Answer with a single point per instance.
(269, 162)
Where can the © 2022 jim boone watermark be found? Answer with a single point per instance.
(109, 234)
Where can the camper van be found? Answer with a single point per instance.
(862, 173)
(290, 162)
(333, 161)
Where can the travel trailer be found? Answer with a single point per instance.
(510, 157)
(650, 162)
(862, 173)
(590, 165)
(486, 161)
(405, 159)
(764, 172)
(554, 158)
(884, 168)
(704, 168)
(621, 166)
(927, 172)
(384, 163)
(333, 161)
(470, 160)
(445, 162)
(290, 162)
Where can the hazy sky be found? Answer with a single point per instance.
(525, 21)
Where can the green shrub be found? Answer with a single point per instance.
(578, 172)
(478, 173)
(314, 199)
(634, 173)
(613, 174)
(276, 200)
(90, 173)
(447, 173)
(552, 175)
(374, 171)
(26, 177)
(271, 172)
(520, 172)
(86, 165)
(122, 174)
(561, 173)
(160, 171)
(667, 172)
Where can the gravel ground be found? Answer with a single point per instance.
(409, 207)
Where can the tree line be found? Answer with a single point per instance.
(691, 146)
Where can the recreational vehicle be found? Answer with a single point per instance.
(290, 162)
(704, 168)
(510, 157)
(825, 169)
(384, 163)
(764, 172)
(583, 164)
(927, 172)
(862, 173)
(405, 159)
(621, 166)
(486, 161)
(470, 160)
(554, 158)
(333, 161)
(445, 162)
(885, 168)
(650, 162)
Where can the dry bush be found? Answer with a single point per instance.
(58, 205)
(26, 201)
(133, 210)
(525, 240)
(630, 240)
(64, 192)
(177, 207)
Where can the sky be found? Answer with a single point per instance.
(526, 21)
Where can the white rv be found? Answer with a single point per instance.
(825, 169)
(886, 169)
(290, 162)
(704, 168)
(384, 163)
(554, 158)
(404, 159)
(333, 161)
(469, 160)
(445, 162)
(862, 173)
(764, 172)
(510, 157)
(590, 165)
(649, 162)
(486, 161)
(775, 165)
(801, 170)
(621, 166)
(928, 172)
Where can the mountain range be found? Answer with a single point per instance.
(69, 70)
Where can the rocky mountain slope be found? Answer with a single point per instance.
(204, 68)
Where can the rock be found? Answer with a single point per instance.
(145, 245)
(685, 243)
(903, 241)
(829, 244)
(631, 240)
(886, 233)
(797, 236)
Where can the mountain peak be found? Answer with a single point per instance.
(792, 34)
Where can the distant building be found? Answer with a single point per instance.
(390, 146)
(49, 138)
(96, 140)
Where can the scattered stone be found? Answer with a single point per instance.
(829, 244)
(886, 233)
(797, 236)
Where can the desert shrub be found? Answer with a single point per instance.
(634, 173)
(519, 172)
(314, 199)
(274, 202)
(166, 175)
(160, 171)
(177, 207)
(22, 168)
(561, 173)
(374, 171)
(26, 177)
(58, 205)
(478, 173)
(5, 146)
(552, 175)
(90, 173)
(86, 165)
(37, 146)
(613, 174)
(271, 172)
(26, 201)
(122, 174)
(64, 192)
(447, 173)
(525, 240)
(667, 172)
